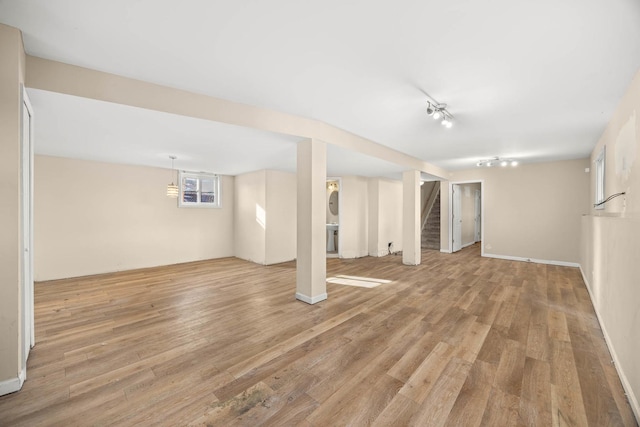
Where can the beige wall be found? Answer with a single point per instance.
(281, 217)
(250, 206)
(610, 250)
(11, 76)
(530, 211)
(93, 217)
(385, 216)
(265, 216)
(354, 217)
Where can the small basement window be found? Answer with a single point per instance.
(200, 190)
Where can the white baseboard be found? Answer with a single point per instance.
(311, 300)
(12, 385)
(445, 251)
(626, 385)
(468, 244)
(379, 253)
(534, 260)
(353, 254)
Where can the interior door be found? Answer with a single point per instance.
(477, 216)
(456, 217)
(28, 336)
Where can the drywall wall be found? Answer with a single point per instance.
(354, 217)
(530, 211)
(468, 211)
(385, 216)
(92, 217)
(11, 77)
(610, 247)
(265, 216)
(280, 240)
(250, 207)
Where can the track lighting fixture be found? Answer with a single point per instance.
(439, 112)
(497, 161)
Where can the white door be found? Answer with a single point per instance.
(28, 336)
(456, 217)
(477, 217)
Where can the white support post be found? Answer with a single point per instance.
(311, 265)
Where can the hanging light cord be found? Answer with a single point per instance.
(613, 196)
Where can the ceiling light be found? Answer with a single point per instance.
(497, 161)
(172, 189)
(430, 109)
(439, 112)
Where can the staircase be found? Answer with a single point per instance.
(430, 238)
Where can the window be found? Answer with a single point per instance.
(199, 190)
(599, 164)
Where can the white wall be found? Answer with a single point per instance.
(354, 217)
(610, 250)
(92, 217)
(250, 204)
(531, 211)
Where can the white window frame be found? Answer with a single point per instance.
(600, 163)
(199, 176)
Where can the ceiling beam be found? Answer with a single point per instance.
(59, 77)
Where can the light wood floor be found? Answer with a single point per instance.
(459, 340)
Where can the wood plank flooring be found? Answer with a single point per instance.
(458, 341)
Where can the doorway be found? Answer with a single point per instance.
(333, 215)
(466, 214)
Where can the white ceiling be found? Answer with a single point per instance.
(536, 81)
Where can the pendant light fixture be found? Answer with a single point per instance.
(172, 189)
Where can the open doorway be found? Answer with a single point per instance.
(430, 215)
(466, 214)
(334, 196)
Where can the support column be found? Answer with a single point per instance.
(12, 59)
(411, 217)
(311, 265)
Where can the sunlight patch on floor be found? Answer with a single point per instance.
(362, 282)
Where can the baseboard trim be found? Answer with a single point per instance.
(445, 251)
(353, 254)
(380, 253)
(534, 260)
(311, 300)
(12, 385)
(468, 244)
(626, 385)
